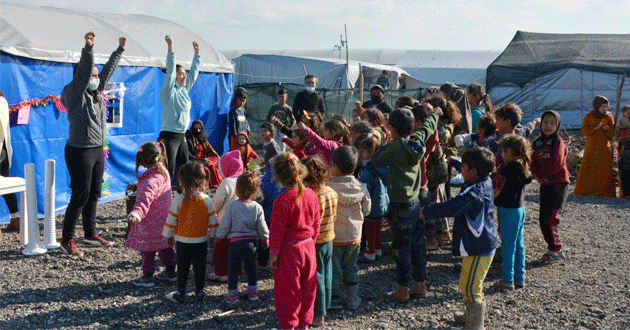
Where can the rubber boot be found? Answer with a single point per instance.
(475, 313)
(353, 297)
(14, 225)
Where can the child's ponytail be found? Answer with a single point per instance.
(290, 171)
(520, 148)
(151, 155)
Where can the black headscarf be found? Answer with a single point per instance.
(198, 132)
(548, 139)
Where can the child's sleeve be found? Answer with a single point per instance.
(213, 222)
(462, 139)
(318, 141)
(278, 227)
(226, 223)
(467, 200)
(252, 153)
(284, 129)
(428, 128)
(366, 201)
(498, 183)
(219, 198)
(171, 220)
(263, 230)
(146, 194)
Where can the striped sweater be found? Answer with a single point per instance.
(191, 219)
(328, 209)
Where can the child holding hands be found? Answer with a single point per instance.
(474, 232)
(149, 215)
(243, 223)
(188, 223)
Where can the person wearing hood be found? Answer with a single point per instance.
(596, 177)
(403, 155)
(200, 148)
(84, 155)
(245, 148)
(230, 167)
(353, 204)
(549, 167)
(176, 107)
(457, 95)
(308, 100)
(377, 100)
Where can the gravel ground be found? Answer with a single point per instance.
(588, 290)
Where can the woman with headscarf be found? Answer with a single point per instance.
(200, 148)
(596, 177)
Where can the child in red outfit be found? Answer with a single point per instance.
(294, 227)
(242, 145)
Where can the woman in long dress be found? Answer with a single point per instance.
(596, 177)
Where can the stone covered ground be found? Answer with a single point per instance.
(587, 290)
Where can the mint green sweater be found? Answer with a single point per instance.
(175, 99)
(402, 157)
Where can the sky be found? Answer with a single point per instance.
(372, 24)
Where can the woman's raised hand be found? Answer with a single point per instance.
(196, 47)
(89, 38)
(122, 41)
(169, 39)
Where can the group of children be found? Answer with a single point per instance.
(320, 201)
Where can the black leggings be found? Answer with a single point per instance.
(195, 254)
(11, 199)
(86, 167)
(176, 151)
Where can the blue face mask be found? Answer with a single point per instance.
(94, 82)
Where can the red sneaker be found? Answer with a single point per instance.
(97, 240)
(71, 249)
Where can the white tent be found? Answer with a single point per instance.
(431, 66)
(332, 73)
(55, 35)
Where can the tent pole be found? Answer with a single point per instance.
(304, 67)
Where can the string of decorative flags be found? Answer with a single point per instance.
(23, 110)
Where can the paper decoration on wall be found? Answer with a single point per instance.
(24, 114)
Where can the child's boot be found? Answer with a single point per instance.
(419, 290)
(475, 313)
(353, 297)
(401, 295)
(14, 225)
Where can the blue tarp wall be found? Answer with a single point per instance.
(47, 131)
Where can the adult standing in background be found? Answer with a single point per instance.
(596, 177)
(284, 113)
(6, 152)
(377, 100)
(87, 115)
(308, 100)
(176, 107)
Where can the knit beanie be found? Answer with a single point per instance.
(231, 164)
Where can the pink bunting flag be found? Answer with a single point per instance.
(60, 106)
(24, 114)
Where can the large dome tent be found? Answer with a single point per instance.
(38, 49)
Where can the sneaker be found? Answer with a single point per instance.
(367, 258)
(200, 296)
(166, 276)
(553, 255)
(233, 299)
(252, 295)
(71, 249)
(146, 282)
(97, 240)
(175, 296)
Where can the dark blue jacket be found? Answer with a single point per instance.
(377, 180)
(474, 232)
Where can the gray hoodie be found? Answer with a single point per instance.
(87, 118)
(352, 207)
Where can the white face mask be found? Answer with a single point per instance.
(310, 89)
(94, 82)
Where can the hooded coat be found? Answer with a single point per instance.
(353, 204)
(230, 166)
(246, 150)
